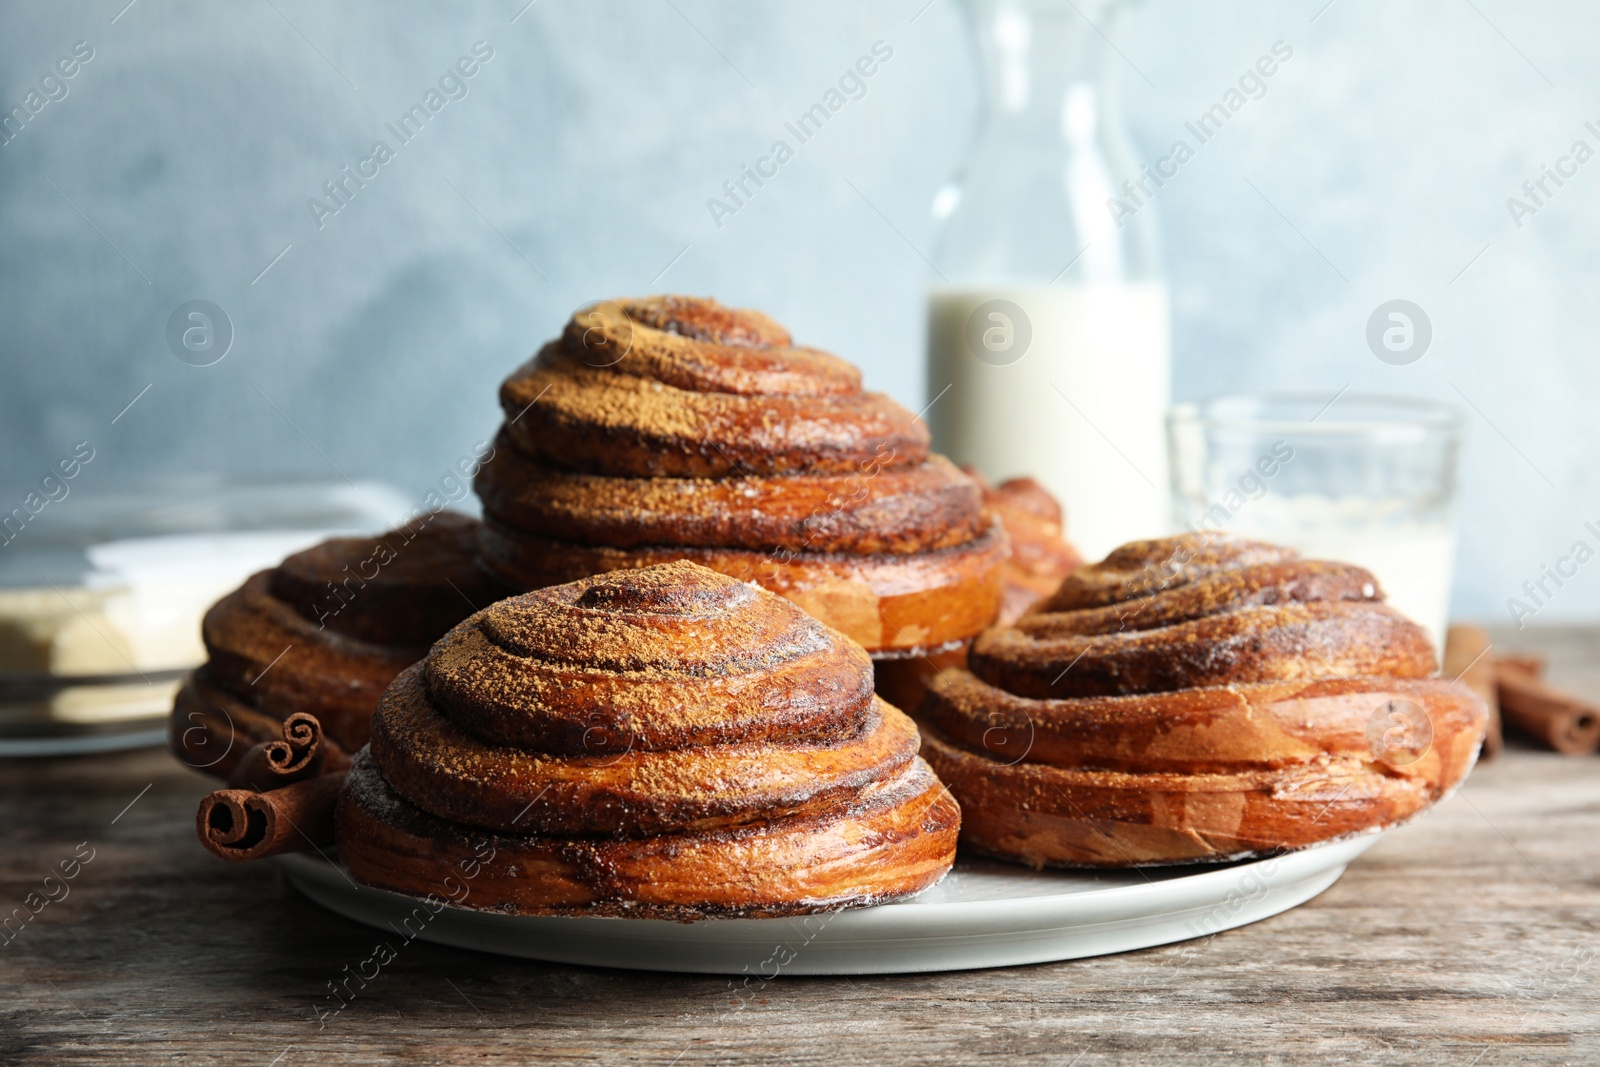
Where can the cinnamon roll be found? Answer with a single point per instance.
(1197, 698)
(1040, 558)
(324, 633)
(1041, 555)
(664, 742)
(675, 428)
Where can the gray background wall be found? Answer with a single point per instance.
(577, 167)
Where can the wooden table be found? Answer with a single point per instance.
(1469, 937)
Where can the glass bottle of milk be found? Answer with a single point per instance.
(1048, 339)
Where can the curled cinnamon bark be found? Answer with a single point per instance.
(1560, 719)
(211, 730)
(242, 824)
(302, 752)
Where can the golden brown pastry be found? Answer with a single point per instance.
(1040, 558)
(675, 428)
(664, 742)
(324, 633)
(1197, 698)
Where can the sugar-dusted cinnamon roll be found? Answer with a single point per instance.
(665, 742)
(675, 428)
(325, 632)
(1197, 698)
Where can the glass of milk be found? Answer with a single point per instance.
(1369, 480)
(1048, 347)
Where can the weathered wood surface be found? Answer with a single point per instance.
(1469, 937)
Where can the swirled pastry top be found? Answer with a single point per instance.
(658, 658)
(1200, 610)
(684, 386)
(1200, 697)
(669, 699)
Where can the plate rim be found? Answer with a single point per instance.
(901, 938)
(1299, 866)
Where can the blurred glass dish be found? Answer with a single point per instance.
(101, 596)
(1369, 480)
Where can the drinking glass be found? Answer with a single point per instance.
(1369, 480)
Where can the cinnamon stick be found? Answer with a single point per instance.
(1467, 659)
(213, 738)
(1562, 720)
(302, 752)
(1527, 662)
(242, 824)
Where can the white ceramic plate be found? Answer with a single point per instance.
(982, 915)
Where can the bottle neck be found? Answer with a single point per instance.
(1033, 200)
(1045, 67)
